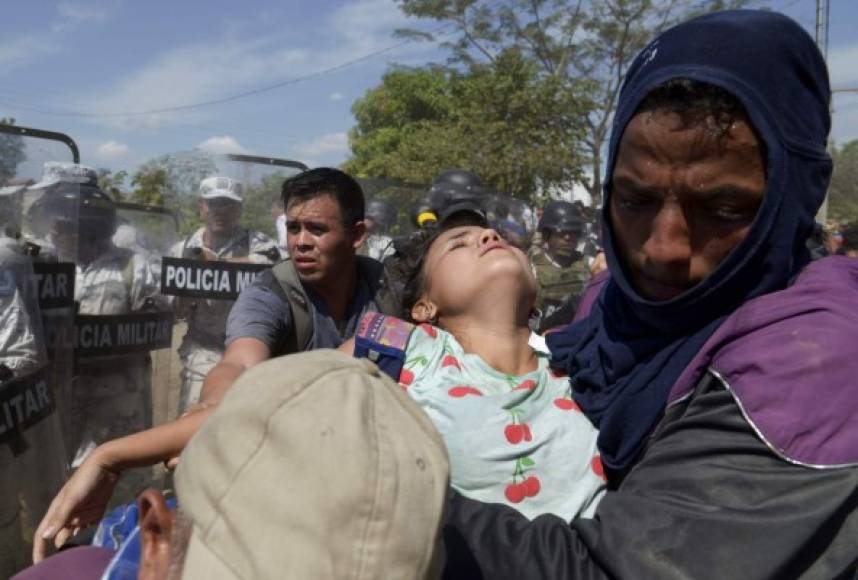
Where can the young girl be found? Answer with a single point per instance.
(512, 431)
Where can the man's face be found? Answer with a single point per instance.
(562, 244)
(320, 245)
(221, 214)
(681, 199)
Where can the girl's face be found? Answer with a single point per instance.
(468, 264)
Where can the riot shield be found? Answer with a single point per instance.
(152, 231)
(511, 217)
(228, 236)
(393, 213)
(36, 300)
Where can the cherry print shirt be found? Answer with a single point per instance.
(518, 440)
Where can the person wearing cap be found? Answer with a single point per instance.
(223, 239)
(717, 360)
(256, 498)
(560, 268)
(379, 219)
(111, 395)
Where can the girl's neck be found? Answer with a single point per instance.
(503, 345)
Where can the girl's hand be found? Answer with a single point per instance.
(80, 503)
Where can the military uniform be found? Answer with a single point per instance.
(30, 476)
(557, 285)
(112, 395)
(203, 345)
(378, 247)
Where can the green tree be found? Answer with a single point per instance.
(843, 191)
(172, 181)
(577, 42)
(519, 130)
(11, 152)
(112, 183)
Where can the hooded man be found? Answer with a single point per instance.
(716, 360)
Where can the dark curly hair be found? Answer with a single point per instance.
(696, 103)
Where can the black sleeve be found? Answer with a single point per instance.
(708, 499)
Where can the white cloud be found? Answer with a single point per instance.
(237, 61)
(74, 12)
(336, 96)
(221, 145)
(328, 145)
(21, 51)
(112, 151)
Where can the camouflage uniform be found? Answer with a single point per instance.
(203, 345)
(112, 395)
(557, 285)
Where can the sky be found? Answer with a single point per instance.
(81, 66)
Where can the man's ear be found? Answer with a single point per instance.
(203, 207)
(156, 530)
(359, 233)
(424, 310)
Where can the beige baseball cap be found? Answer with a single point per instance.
(315, 465)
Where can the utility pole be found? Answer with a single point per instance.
(822, 43)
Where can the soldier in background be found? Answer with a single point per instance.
(222, 238)
(379, 218)
(561, 270)
(111, 394)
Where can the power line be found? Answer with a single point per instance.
(227, 99)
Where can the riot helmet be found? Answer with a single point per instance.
(423, 213)
(561, 226)
(457, 190)
(380, 215)
(561, 216)
(457, 183)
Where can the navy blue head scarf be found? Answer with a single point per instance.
(626, 355)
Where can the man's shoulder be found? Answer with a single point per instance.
(790, 359)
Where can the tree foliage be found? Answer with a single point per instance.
(519, 130)
(583, 42)
(112, 183)
(843, 191)
(11, 153)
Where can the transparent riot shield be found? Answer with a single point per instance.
(511, 217)
(151, 232)
(36, 308)
(229, 234)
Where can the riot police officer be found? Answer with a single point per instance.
(380, 217)
(222, 239)
(560, 268)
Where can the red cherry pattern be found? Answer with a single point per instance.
(429, 329)
(406, 377)
(516, 492)
(557, 374)
(463, 391)
(566, 405)
(598, 468)
(527, 385)
(450, 361)
(531, 486)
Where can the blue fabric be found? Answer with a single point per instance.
(626, 355)
(120, 531)
(388, 359)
